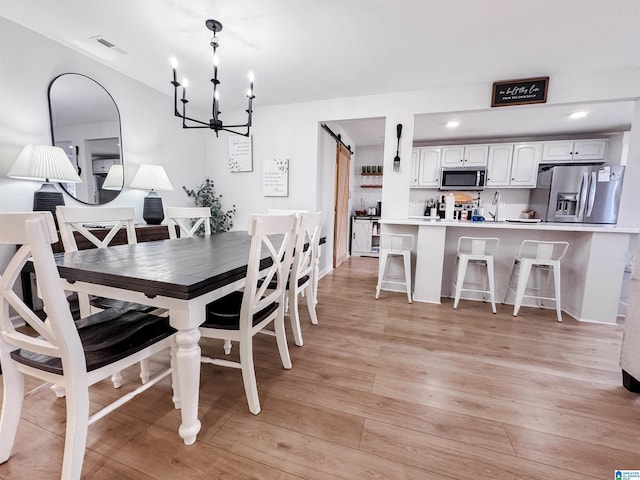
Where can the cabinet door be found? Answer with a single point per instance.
(453, 156)
(499, 165)
(557, 151)
(524, 167)
(476, 155)
(361, 236)
(415, 167)
(429, 167)
(590, 149)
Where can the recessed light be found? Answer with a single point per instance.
(453, 123)
(575, 115)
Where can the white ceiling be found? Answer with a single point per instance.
(302, 50)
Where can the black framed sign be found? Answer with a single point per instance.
(520, 92)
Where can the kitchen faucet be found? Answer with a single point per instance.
(496, 202)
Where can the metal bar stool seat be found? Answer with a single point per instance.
(394, 245)
(539, 257)
(479, 252)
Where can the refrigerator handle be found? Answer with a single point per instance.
(583, 194)
(592, 194)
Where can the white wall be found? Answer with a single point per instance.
(150, 133)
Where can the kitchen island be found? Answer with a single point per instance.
(592, 270)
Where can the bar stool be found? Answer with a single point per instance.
(537, 256)
(394, 245)
(479, 252)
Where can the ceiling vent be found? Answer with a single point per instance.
(107, 44)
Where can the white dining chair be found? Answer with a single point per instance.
(303, 271)
(318, 251)
(241, 314)
(58, 350)
(188, 221)
(81, 220)
(113, 219)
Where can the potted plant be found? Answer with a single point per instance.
(205, 196)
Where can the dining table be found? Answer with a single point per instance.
(181, 275)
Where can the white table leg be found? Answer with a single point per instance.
(188, 365)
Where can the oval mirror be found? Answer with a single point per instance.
(85, 123)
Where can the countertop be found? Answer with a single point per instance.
(512, 225)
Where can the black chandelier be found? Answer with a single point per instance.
(215, 123)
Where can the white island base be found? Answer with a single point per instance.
(592, 271)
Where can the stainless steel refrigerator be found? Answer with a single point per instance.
(577, 193)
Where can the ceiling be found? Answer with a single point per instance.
(304, 50)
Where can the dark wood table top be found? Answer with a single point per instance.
(183, 268)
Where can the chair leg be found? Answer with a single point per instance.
(523, 279)
(144, 370)
(13, 384)
(281, 340)
(294, 317)
(407, 273)
(492, 288)
(462, 269)
(116, 379)
(76, 433)
(227, 347)
(556, 285)
(382, 265)
(510, 281)
(311, 304)
(249, 374)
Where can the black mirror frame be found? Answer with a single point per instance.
(53, 139)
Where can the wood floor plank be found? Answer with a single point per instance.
(596, 460)
(306, 456)
(441, 456)
(512, 412)
(407, 414)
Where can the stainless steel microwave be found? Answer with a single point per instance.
(465, 178)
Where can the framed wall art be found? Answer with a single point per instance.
(275, 177)
(240, 154)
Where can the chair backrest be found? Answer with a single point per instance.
(396, 242)
(274, 234)
(188, 220)
(76, 219)
(56, 336)
(543, 251)
(307, 232)
(282, 211)
(477, 245)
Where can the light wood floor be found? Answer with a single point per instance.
(381, 389)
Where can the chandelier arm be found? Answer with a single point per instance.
(237, 133)
(194, 120)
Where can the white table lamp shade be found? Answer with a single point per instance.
(114, 179)
(44, 163)
(151, 177)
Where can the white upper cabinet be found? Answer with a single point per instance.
(415, 165)
(524, 167)
(425, 167)
(499, 165)
(465, 156)
(593, 150)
